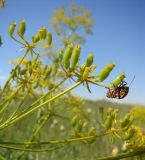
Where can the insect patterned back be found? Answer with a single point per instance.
(119, 92)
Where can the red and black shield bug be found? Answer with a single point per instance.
(120, 91)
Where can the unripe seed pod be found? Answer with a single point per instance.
(108, 122)
(84, 124)
(56, 60)
(75, 56)
(86, 73)
(50, 86)
(67, 56)
(18, 70)
(82, 68)
(22, 28)
(131, 119)
(36, 85)
(60, 56)
(55, 69)
(80, 125)
(74, 121)
(92, 131)
(49, 39)
(23, 71)
(125, 121)
(43, 32)
(12, 29)
(115, 114)
(130, 134)
(30, 70)
(48, 72)
(109, 111)
(90, 59)
(118, 80)
(105, 72)
(44, 69)
(36, 38)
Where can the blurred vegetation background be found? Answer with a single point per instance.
(60, 127)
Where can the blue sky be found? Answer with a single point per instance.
(118, 36)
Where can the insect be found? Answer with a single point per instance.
(120, 91)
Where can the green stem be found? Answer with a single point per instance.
(17, 108)
(41, 105)
(14, 71)
(100, 85)
(70, 140)
(42, 97)
(9, 101)
(36, 131)
(124, 155)
(17, 40)
(31, 149)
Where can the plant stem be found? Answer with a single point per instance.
(40, 105)
(124, 155)
(4, 108)
(36, 131)
(97, 84)
(39, 99)
(31, 149)
(69, 140)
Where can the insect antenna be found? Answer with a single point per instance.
(131, 81)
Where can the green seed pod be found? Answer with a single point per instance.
(80, 125)
(75, 56)
(43, 32)
(67, 56)
(12, 29)
(36, 38)
(125, 121)
(18, 70)
(49, 39)
(44, 69)
(84, 124)
(50, 86)
(23, 71)
(131, 119)
(74, 121)
(92, 131)
(36, 85)
(90, 59)
(105, 72)
(118, 80)
(55, 69)
(22, 28)
(48, 72)
(86, 73)
(109, 111)
(115, 114)
(82, 68)
(108, 122)
(130, 134)
(60, 56)
(30, 70)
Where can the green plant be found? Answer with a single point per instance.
(35, 87)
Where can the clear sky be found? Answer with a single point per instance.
(118, 36)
